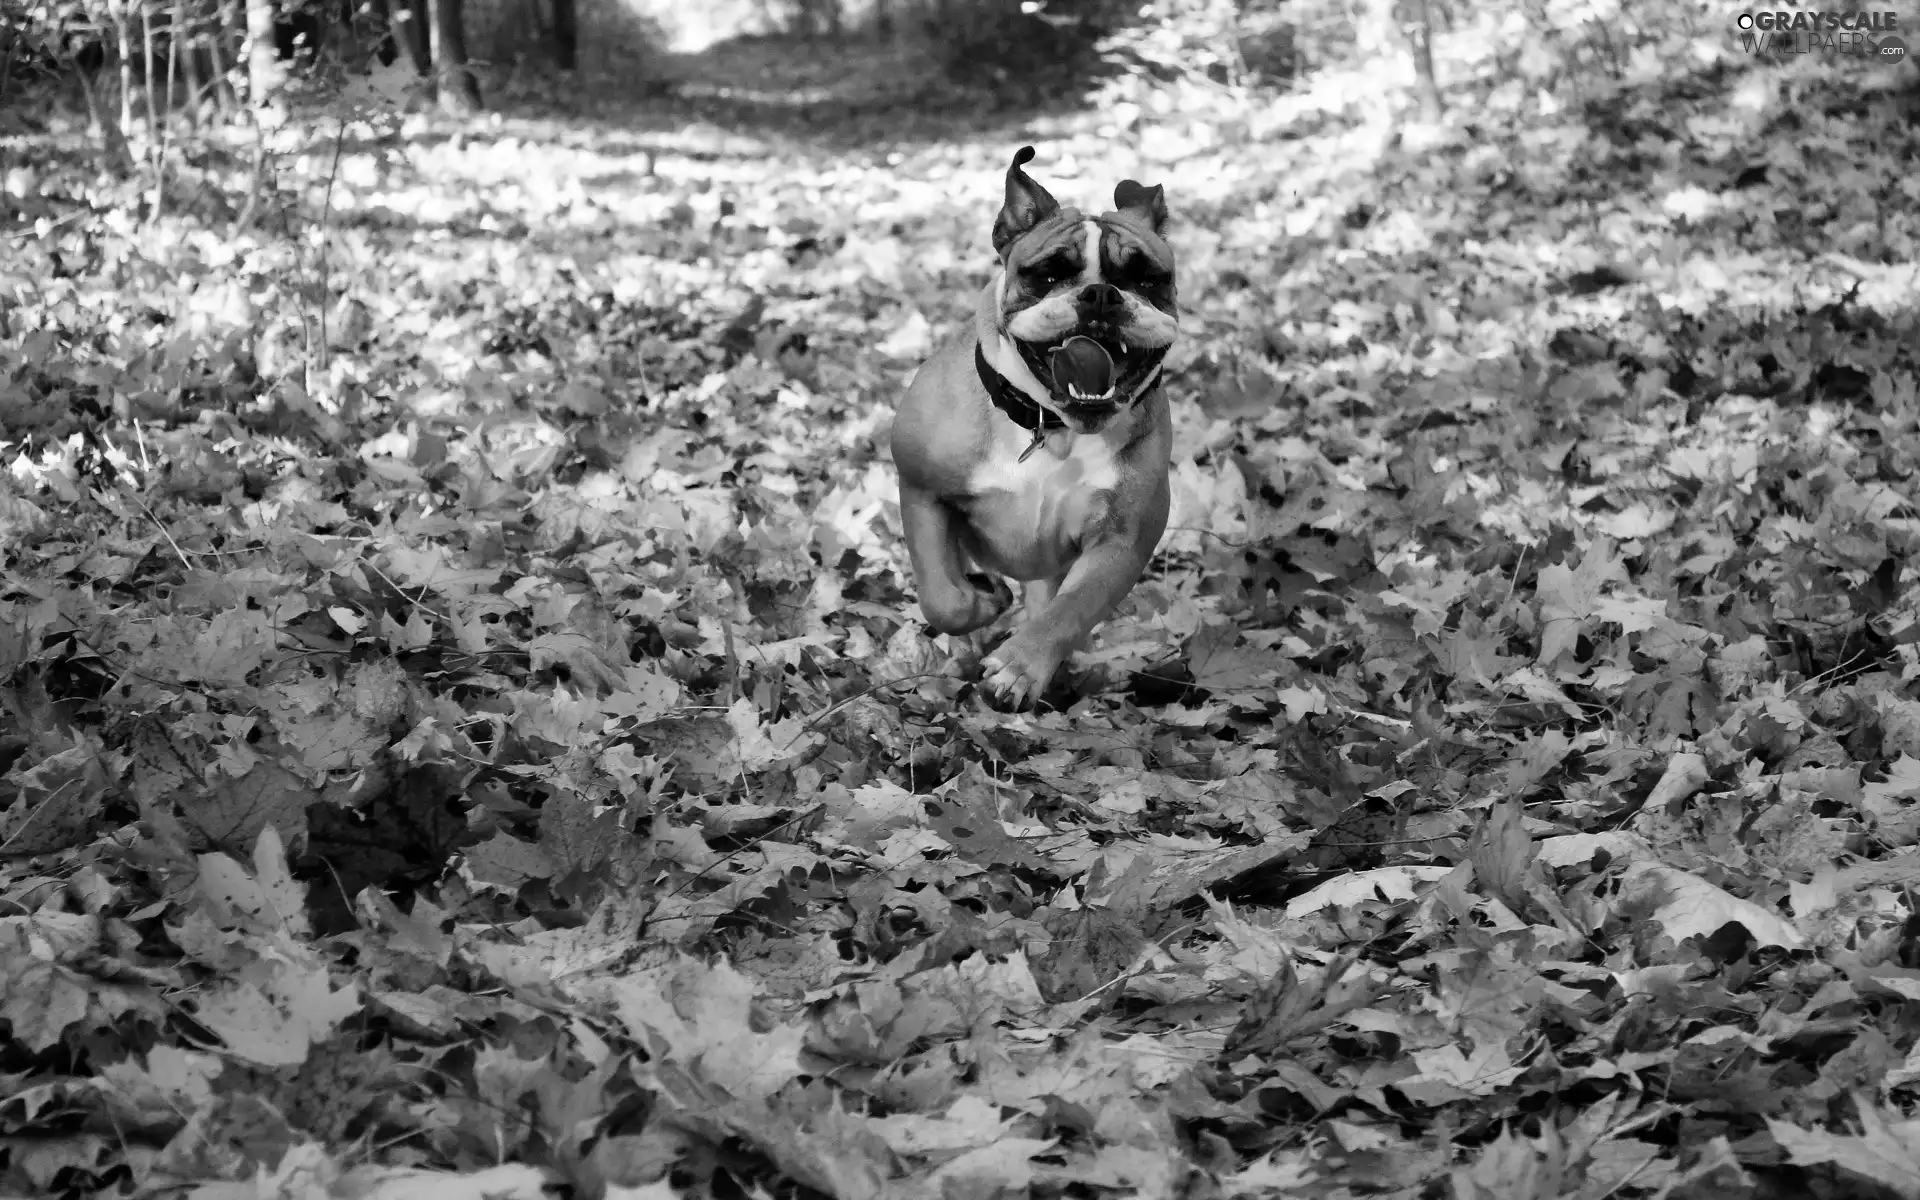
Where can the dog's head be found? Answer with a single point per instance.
(1089, 301)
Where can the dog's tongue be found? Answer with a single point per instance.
(1083, 365)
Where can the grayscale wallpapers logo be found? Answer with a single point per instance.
(1856, 34)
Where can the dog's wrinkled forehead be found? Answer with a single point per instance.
(1063, 233)
(1031, 222)
(1062, 243)
(1123, 235)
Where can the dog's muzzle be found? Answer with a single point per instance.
(1092, 368)
(1095, 366)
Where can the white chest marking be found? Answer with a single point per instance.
(1044, 480)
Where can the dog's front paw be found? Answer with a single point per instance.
(1018, 671)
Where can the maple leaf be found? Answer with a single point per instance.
(1387, 884)
(430, 568)
(1475, 659)
(1574, 849)
(234, 644)
(1285, 1008)
(642, 693)
(274, 1015)
(1570, 597)
(759, 744)
(1512, 1165)
(56, 802)
(1637, 520)
(1277, 1173)
(1447, 1071)
(1889, 801)
(550, 955)
(1886, 1152)
(702, 1019)
(1221, 666)
(266, 898)
(1006, 1165)
(39, 998)
(1631, 613)
(1501, 853)
(1688, 906)
(589, 663)
(508, 862)
(168, 1082)
(507, 1181)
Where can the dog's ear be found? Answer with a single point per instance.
(1027, 204)
(1147, 203)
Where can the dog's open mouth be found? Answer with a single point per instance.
(1093, 368)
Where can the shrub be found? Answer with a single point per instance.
(1013, 47)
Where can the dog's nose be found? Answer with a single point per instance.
(1101, 300)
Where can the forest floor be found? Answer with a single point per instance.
(465, 724)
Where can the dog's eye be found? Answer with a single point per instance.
(1141, 273)
(1051, 270)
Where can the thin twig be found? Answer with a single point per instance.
(37, 809)
(326, 218)
(837, 705)
(162, 528)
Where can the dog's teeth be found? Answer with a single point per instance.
(1123, 347)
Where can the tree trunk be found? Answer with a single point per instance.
(1373, 28)
(125, 44)
(1418, 27)
(10, 45)
(146, 78)
(566, 37)
(116, 155)
(265, 73)
(220, 41)
(156, 147)
(407, 27)
(181, 63)
(454, 81)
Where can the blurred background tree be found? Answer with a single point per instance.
(201, 56)
(1173, 70)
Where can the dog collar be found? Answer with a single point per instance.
(1009, 399)
(1023, 410)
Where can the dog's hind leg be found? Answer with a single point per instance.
(952, 600)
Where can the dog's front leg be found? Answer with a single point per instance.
(952, 600)
(1100, 578)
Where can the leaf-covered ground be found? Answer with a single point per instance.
(467, 724)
